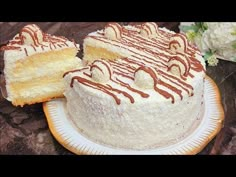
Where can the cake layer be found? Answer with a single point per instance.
(37, 91)
(93, 53)
(28, 79)
(41, 64)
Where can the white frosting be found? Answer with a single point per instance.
(149, 30)
(179, 44)
(148, 123)
(29, 32)
(113, 31)
(177, 68)
(100, 70)
(143, 79)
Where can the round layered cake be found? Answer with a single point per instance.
(141, 87)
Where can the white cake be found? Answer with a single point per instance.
(141, 87)
(34, 63)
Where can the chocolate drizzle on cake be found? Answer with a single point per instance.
(149, 29)
(180, 40)
(32, 31)
(94, 65)
(128, 73)
(153, 56)
(158, 81)
(31, 35)
(76, 70)
(178, 61)
(113, 28)
(10, 48)
(98, 86)
(26, 53)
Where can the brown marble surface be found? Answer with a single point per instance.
(25, 130)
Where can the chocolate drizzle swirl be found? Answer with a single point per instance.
(50, 41)
(150, 55)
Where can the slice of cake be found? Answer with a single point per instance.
(142, 87)
(34, 64)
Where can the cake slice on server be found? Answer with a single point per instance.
(34, 63)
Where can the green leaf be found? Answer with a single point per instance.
(191, 35)
(207, 55)
(234, 45)
(198, 24)
(234, 59)
(185, 28)
(233, 33)
(202, 26)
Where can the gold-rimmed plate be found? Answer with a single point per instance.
(68, 135)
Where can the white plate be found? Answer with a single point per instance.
(66, 133)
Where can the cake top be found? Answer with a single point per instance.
(31, 40)
(156, 61)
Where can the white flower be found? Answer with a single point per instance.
(219, 37)
(212, 60)
(199, 41)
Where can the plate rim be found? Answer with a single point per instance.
(194, 150)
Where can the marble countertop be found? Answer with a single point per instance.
(25, 130)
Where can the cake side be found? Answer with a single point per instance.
(139, 124)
